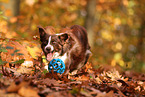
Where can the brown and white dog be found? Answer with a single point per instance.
(71, 46)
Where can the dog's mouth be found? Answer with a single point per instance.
(50, 56)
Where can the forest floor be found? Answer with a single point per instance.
(88, 82)
(28, 78)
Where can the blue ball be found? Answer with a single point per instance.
(57, 65)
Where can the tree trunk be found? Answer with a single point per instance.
(141, 38)
(89, 22)
(13, 6)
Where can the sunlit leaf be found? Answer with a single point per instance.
(117, 56)
(34, 52)
(1, 12)
(4, 17)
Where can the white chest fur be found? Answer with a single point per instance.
(63, 58)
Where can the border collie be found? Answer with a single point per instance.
(70, 45)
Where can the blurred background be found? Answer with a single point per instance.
(116, 28)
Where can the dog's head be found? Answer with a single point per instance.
(54, 45)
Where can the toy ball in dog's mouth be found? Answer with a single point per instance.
(57, 65)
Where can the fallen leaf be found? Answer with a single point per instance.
(27, 64)
(4, 94)
(49, 82)
(27, 91)
(34, 51)
(26, 70)
(83, 78)
(14, 87)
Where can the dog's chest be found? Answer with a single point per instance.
(63, 58)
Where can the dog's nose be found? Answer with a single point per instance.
(48, 49)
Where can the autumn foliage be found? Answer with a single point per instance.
(115, 69)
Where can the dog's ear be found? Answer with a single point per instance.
(42, 31)
(63, 37)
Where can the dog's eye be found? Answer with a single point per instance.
(53, 42)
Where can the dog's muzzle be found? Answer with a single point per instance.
(50, 53)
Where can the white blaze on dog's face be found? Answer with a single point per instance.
(49, 48)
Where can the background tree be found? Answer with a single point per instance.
(141, 35)
(90, 20)
(12, 8)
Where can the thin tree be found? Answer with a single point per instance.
(13, 6)
(90, 20)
